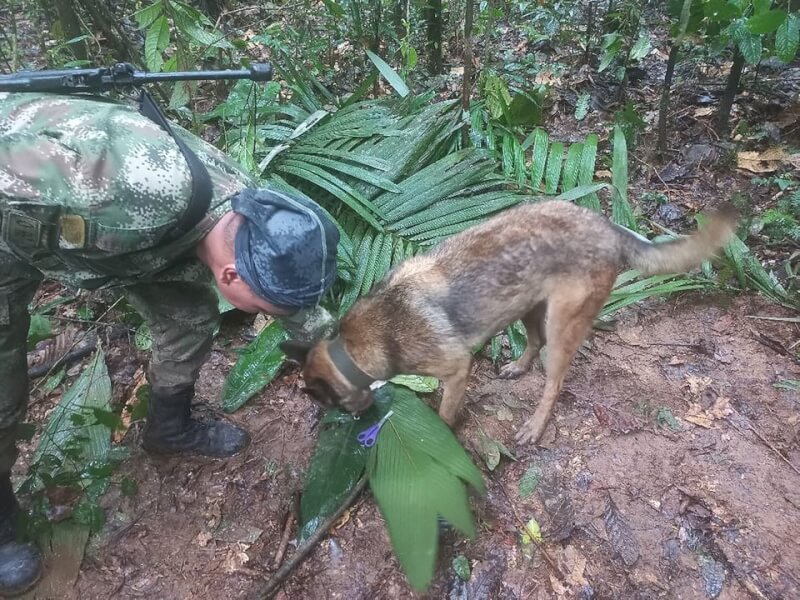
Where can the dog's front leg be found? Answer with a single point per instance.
(455, 383)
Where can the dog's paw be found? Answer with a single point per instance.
(512, 370)
(531, 431)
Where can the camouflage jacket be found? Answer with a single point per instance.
(119, 174)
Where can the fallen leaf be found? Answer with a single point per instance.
(492, 449)
(559, 507)
(127, 411)
(705, 418)
(461, 567)
(704, 111)
(532, 533)
(697, 385)
(763, 162)
(575, 564)
(504, 414)
(203, 538)
(529, 481)
(343, 520)
(620, 535)
(616, 420)
(514, 403)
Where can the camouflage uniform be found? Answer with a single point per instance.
(107, 184)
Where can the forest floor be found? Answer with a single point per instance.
(666, 471)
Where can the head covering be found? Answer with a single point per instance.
(285, 248)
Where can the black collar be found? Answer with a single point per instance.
(342, 361)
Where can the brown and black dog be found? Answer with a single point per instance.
(551, 264)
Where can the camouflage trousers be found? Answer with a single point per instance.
(182, 316)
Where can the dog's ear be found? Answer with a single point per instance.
(296, 351)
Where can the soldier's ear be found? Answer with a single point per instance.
(296, 351)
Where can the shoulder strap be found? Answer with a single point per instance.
(202, 190)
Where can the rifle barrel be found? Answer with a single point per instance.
(121, 75)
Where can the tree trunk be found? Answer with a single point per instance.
(487, 43)
(110, 26)
(726, 103)
(375, 40)
(663, 109)
(466, 91)
(433, 21)
(398, 15)
(71, 26)
(589, 31)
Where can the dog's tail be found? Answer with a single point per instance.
(681, 255)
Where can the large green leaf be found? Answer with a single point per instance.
(72, 434)
(417, 473)
(389, 73)
(338, 462)
(787, 38)
(257, 366)
(621, 211)
(766, 22)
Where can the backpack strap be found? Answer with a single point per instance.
(202, 189)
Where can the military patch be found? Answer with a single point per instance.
(72, 231)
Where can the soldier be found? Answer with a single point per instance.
(95, 194)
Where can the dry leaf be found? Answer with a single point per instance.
(504, 414)
(706, 418)
(704, 111)
(603, 174)
(575, 564)
(140, 379)
(343, 520)
(762, 162)
(620, 535)
(698, 385)
(203, 538)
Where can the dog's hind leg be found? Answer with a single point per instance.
(572, 309)
(455, 383)
(534, 327)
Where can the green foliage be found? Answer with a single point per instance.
(529, 482)
(389, 73)
(195, 38)
(335, 468)
(257, 366)
(461, 567)
(143, 340)
(40, 329)
(75, 447)
(417, 473)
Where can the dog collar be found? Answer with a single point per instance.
(342, 361)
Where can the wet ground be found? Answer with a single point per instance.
(663, 475)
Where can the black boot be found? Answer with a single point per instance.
(20, 564)
(170, 429)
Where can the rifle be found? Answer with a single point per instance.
(67, 81)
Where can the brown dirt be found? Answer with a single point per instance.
(704, 506)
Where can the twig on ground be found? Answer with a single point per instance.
(763, 439)
(292, 514)
(272, 586)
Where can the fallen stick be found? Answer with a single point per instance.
(292, 514)
(763, 439)
(272, 586)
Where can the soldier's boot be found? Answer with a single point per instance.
(171, 430)
(20, 563)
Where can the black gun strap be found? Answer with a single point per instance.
(202, 189)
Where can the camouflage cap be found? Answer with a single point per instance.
(285, 248)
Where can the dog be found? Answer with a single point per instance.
(551, 264)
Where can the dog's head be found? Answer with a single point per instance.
(324, 382)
